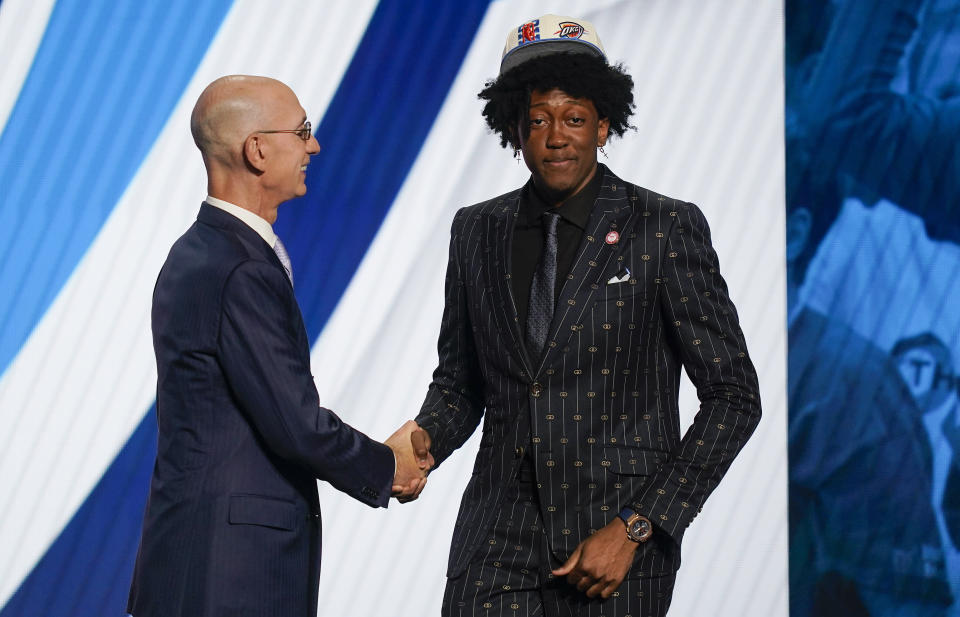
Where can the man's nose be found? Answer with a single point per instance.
(313, 146)
(556, 135)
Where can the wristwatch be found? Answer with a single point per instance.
(639, 527)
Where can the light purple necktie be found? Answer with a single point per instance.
(284, 258)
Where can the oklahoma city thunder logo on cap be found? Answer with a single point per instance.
(569, 30)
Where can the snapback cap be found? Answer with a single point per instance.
(549, 34)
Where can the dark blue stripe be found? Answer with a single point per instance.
(371, 134)
(87, 571)
(103, 83)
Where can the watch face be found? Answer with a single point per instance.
(640, 529)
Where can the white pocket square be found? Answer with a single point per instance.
(620, 277)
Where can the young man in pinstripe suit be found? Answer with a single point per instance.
(571, 305)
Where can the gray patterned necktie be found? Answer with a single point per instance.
(540, 310)
(284, 258)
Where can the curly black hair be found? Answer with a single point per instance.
(580, 75)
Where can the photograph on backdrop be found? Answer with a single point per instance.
(873, 268)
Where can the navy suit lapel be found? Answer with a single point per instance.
(595, 262)
(497, 253)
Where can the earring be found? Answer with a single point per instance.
(602, 152)
(516, 153)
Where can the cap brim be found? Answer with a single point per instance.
(536, 49)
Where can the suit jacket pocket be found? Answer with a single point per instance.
(263, 511)
(632, 461)
(624, 293)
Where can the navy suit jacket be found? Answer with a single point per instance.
(232, 523)
(599, 410)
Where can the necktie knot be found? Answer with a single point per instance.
(284, 258)
(550, 220)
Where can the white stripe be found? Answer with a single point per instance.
(86, 375)
(22, 24)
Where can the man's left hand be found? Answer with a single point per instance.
(598, 565)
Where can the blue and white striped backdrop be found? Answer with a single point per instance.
(99, 175)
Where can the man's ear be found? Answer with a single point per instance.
(603, 131)
(253, 152)
(799, 224)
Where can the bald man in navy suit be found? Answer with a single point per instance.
(232, 523)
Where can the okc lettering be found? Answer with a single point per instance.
(569, 30)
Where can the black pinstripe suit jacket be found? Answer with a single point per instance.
(601, 405)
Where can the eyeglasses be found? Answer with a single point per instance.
(304, 132)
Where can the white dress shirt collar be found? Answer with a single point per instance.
(254, 222)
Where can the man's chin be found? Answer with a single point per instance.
(556, 190)
(559, 181)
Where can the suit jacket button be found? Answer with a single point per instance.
(519, 452)
(536, 389)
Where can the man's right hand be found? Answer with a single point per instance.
(412, 466)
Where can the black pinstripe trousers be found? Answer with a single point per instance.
(509, 575)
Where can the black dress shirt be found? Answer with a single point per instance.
(528, 238)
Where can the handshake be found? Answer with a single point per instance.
(411, 450)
